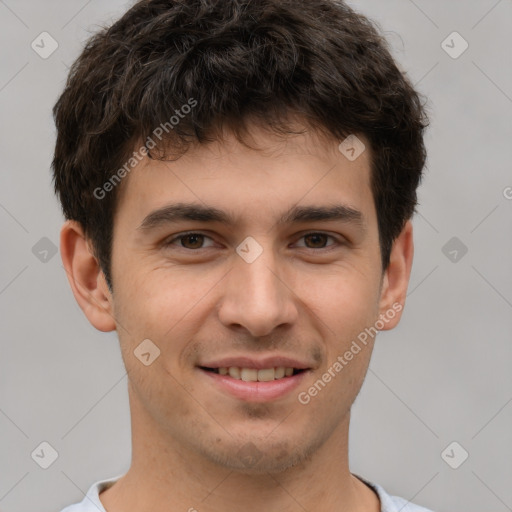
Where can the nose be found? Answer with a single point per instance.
(257, 297)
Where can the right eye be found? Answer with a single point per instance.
(191, 238)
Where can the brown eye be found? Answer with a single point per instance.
(316, 240)
(189, 241)
(192, 241)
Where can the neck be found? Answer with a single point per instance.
(165, 475)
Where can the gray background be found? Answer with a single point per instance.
(443, 375)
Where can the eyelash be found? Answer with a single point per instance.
(171, 241)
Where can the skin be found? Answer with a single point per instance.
(198, 300)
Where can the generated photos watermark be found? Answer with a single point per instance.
(304, 397)
(137, 156)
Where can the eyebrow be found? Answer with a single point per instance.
(188, 211)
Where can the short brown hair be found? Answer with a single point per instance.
(239, 61)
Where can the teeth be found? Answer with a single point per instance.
(234, 372)
(255, 375)
(249, 374)
(266, 374)
(279, 372)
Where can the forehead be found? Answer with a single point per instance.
(268, 178)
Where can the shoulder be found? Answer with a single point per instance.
(91, 501)
(393, 503)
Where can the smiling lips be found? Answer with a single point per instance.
(255, 375)
(256, 380)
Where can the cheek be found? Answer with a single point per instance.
(346, 300)
(166, 306)
(346, 303)
(344, 312)
(156, 299)
(162, 307)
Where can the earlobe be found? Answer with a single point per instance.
(86, 277)
(396, 277)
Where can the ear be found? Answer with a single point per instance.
(86, 277)
(396, 277)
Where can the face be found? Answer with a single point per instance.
(272, 263)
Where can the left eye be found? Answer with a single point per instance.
(318, 239)
(194, 241)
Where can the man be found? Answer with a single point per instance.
(238, 179)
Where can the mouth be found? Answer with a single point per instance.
(248, 384)
(255, 374)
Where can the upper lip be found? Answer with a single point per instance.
(258, 363)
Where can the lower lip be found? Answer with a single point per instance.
(256, 391)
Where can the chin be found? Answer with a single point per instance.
(260, 457)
